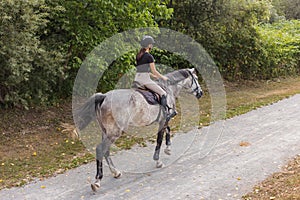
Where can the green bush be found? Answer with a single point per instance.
(231, 33)
(226, 29)
(43, 43)
(29, 69)
(280, 49)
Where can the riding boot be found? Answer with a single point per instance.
(163, 102)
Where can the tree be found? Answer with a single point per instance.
(22, 55)
(85, 24)
(44, 42)
(226, 29)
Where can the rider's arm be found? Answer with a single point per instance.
(156, 73)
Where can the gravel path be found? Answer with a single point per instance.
(197, 168)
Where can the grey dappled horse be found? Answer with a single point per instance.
(118, 109)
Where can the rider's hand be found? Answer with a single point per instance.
(164, 78)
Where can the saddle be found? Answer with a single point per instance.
(151, 97)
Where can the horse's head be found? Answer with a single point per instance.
(192, 83)
(185, 78)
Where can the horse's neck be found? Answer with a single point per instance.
(175, 89)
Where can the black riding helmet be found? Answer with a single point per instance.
(147, 40)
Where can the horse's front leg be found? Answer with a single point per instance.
(168, 141)
(159, 139)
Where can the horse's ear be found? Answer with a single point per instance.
(193, 70)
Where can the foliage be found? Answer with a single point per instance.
(25, 62)
(94, 21)
(281, 49)
(119, 74)
(236, 49)
(229, 32)
(290, 9)
(44, 42)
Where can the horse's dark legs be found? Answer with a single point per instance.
(168, 141)
(163, 126)
(99, 174)
(159, 139)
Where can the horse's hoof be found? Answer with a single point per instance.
(95, 186)
(117, 174)
(159, 164)
(167, 151)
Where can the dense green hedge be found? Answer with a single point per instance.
(265, 51)
(44, 42)
(280, 49)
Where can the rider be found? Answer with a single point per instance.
(146, 68)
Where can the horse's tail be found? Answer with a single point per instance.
(87, 112)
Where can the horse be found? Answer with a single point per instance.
(118, 109)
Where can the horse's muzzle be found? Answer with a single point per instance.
(199, 94)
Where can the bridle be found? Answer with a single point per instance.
(194, 81)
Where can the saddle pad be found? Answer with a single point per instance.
(150, 97)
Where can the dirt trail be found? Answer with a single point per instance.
(272, 135)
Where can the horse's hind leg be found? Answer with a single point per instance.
(115, 172)
(101, 148)
(95, 186)
(168, 141)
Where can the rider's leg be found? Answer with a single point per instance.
(163, 99)
(144, 79)
(163, 102)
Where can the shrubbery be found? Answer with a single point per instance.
(29, 69)
(279, 49)
(43, 43)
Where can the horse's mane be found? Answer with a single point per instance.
(178, 75)
(174, 77)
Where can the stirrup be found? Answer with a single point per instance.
(171, 115)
